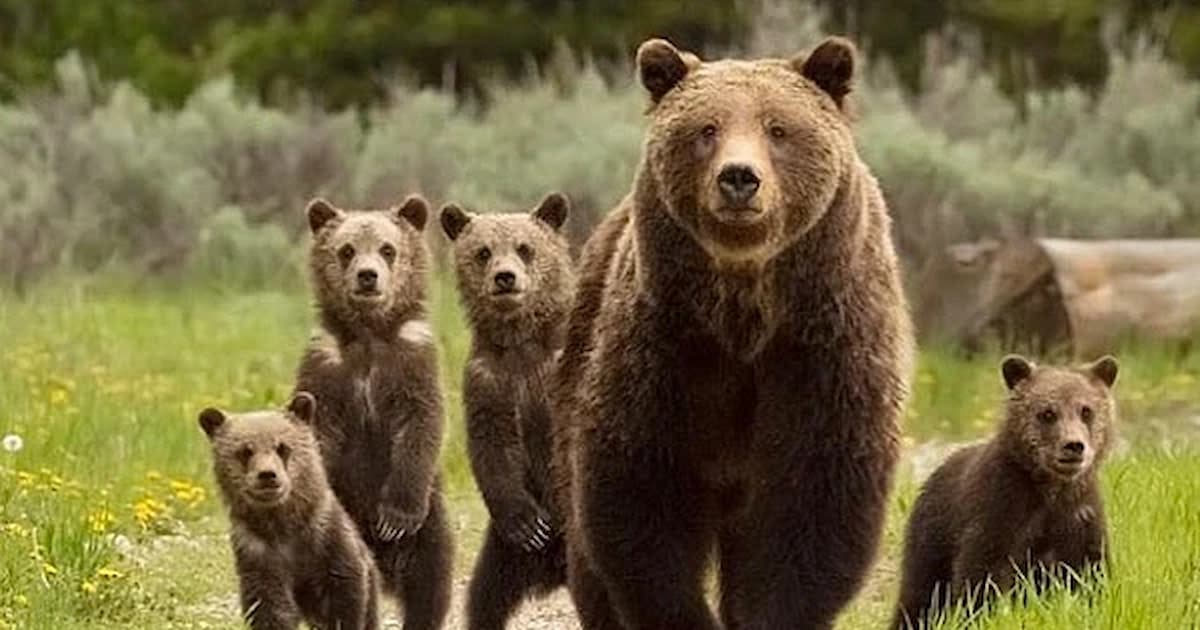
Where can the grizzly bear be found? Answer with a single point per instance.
(298, 554)
(737, 356)
(373, 368)
(516, 281)
(1025, 503)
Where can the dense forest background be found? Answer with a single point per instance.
(345, 52)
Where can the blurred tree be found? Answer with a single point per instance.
(342, 51)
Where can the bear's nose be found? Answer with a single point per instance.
(367, 279)
(738, 183)
(1073, 448)
(505, 280)
(267, 475)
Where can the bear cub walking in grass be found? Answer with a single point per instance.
(373, 368)
(1026, 504)
(515, 281)
(298, 554)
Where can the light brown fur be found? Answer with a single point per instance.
(298, 554)
(515, 281)
(737, 357)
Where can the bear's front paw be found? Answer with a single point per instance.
(394, 523)
(526, 526)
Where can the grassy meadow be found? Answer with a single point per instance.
(109, 517)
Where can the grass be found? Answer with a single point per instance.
(109, 518)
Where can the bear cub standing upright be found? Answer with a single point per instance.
(1026, 502)
(515, 281)
(373, 368)
(298, 554)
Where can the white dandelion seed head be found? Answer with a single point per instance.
(12, 443)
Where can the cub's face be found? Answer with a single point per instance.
(747, 155)
(363, 259)
(505, 263)
(1061, 416)
(258, 457)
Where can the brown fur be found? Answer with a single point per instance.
(1008, 507)
(515, 281)
(373, 367)
(735, 366)
(298, 554)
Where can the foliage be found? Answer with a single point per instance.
(338, 50)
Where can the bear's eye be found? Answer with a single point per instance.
(525, 252)
(284, 451)
(1086, 414)
(777, 132)
(244, 454)
(388, 252)
(709, 131)
(346, 253)
(483, 255)
(1047, 416)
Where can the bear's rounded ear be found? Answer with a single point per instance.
(320, 212)
(303, 406)
(661, 66)
(1105, 368)
(553, 210)
(454, 219)
(831, 67)
(211, 420)
(415, 210)
(1015, 369)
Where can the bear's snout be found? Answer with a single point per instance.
(738, 183)
(505, 281)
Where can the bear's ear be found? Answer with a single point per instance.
(303, 406)
(320, 212)
(454, 219)
(211, 420)
(1105, 368)
(661, 66)
(1015, 369)
(553, 210)
(831, 67)
(415, 210)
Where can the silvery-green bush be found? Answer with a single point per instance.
(93, 177)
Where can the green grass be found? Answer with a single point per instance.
(104, 388)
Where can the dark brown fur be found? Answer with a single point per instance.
(373, 367)
(1008, 507)
(298, 554)
(734, 370)
(516, 282)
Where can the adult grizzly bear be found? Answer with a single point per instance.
(737, 357)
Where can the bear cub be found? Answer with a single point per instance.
(1025, 504)
(373, 368)
(298, 554)
(515, 281)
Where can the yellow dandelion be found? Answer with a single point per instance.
(153, 475)
(88, 587)
(109, 573)
(100, 520)
(25, 479)
(58, 396)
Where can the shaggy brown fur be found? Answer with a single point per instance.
(373, 367)
(298, 555)
(515, 281)
(1026, 502)
(737, 357)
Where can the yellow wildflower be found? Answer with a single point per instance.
(88, 587)
(49, 569)
(108, 573)
(100, 520)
